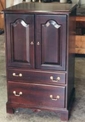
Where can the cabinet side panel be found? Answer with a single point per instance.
(71, 54)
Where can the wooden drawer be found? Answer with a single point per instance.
(37, 77)
(40, 96)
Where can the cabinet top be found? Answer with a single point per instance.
(31, 7)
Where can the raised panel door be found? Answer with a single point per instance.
(20, 40)
(51, 42)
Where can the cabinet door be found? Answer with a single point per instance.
(20, 40)
(51, 42)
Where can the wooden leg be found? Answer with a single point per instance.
(9, 109)
(65, 116)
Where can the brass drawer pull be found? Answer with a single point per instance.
(20, 93)
(15, 75)
(56, 80)
(54, 98)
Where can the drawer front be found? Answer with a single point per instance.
(40, 96)
(37, 77)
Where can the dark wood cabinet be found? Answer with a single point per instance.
(40, 57)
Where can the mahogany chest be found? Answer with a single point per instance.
(40, 56)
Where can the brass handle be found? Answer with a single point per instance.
(54, 98)
(56, 80)
(32, 43)
(15, 75)
(20, 93)
(38, 43)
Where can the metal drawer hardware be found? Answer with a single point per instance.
(54, 98)
(56, 80)
(38, 43)
(14, 74)
(32, 43)
(20, 93)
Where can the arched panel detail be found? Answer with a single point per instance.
(51, 43)
(52, 22)
(20, 21)
(20, 41)
(23, 23)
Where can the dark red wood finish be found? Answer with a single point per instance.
(51, 36)
(20, 40)
(41, 77)
(37, 96)
(39, 56)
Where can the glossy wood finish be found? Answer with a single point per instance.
(32, 95)
(20, 38)
(51, 36)
(34, 7)
(40, 62)
(41, 77)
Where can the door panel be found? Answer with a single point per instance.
(51, 42)
(51, 47)
(20, 40)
